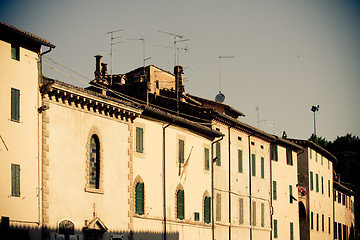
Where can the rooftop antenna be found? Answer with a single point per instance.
(258, 118)
(177, 38)
(221, 97)
(112, 38)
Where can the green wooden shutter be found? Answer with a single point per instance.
(218, 154)
(15, 52)
(275, 229)
(291, 231)
(317, 182)
(253, 164)
(207, 162)
(139, 140)
(180, 206)
(312, 220)
(15, 104)
(290, 193)
(254, 213)
(241, 211)
(274, 191)
(240, 161)
(272, 151)
(262, 168)
(218, 207)
(262, 214)
(311, 181)
(289, 160)
(322, 222)
(276, 153)
(207, 210)
(322, 185)
(317, 222)
(15, 180)
(139, 199)
(181, 151)
(329, 225)
(329, 188)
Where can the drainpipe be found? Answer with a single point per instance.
(212, 188)
(271, 196)
(164, 179)
(229, 182)
(250, 176)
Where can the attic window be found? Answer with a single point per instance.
(239, 138)
(253, 143)
(157, 84)
(218, 129)
(15, 52)
(262, 147)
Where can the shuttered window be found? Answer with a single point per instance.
(275, 229)
(253, 165)
(274, 191)
(312, 220)
(311, 181)
(273, 152)
(317, 182)
(15, 104)
(289, 159)
(196, 216)
(206, 157)
(218, 154)
(180, 204)
(207, 210)
(329, 188)
(218, 207)
(291, 231)
(322, 185)
(262, 214)
(322, 222)
(139, 198)
(181, 151)
(290, 194)
(240, 161)
(317, 222)
(329, 225)
(254, 213)
(15, 180)
(139, 140)
(241, 211)
(262, 168)
(15, 52)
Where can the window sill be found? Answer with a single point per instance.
(94, 190)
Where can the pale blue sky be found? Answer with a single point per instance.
(289, 54)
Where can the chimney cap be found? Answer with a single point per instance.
(98, 55)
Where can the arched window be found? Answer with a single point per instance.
(66, 227)
(94, 162)
(207, 210)
(139, 198)
(180, 204)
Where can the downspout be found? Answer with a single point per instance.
(212, 188)
(250, 173)
(39, 155)
(229, 182)
(271, 197)
(164, 179)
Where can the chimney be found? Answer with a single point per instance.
(104, 71)
(98, 66)
(178, 72)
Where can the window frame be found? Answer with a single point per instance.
(15, 105)
(207, 210)
(15, 52)
(15, 180)
(180, 204)
(140, 198)
(139, 140)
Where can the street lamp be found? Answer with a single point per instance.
(315, 108)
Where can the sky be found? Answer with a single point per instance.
(288, 54)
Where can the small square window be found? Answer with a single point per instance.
(239, 138)
(196, 216)
(15, 52)
(252, 143)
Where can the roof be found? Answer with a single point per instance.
(312, 145)
(22, 33)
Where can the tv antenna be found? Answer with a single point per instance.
(258, 117)
(221, 97)
(112, 38)
(177, 39)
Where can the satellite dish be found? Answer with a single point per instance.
(220, 97)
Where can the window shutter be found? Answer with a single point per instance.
(241, 211)
(218, 154)
(253, 164)
(218, 207)
(291, 231)
(276, 153)
(180, 204)
(15, 180)
(15, 52)
(207, 162)
(311, 181)
(317, 222)
(275, 229)
(317, 182)
(290, 193)
(329, 225)
(207, 210)
(262, 168)
(322, 185)
(262, 214)
(139, 140)
(329, 188)
(140, 198)
(181, 151)
(322, 222)
(15, 104)
(274, 191)
(312, 220)
(240, 162)
(254, 213)
(272, 151)
(289, 160)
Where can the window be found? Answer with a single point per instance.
(329, 225)
(310, 153)
(329, 188)
(322, 160)
(196, 216)
(322, 222)
(343, 199)
(15, 104)
(241, 211)
(328, 164)
(207, 210)
(181, 151)
(339, 231)
(291, 231)
(253, 165)
(240, 161)
(316, 156)
(317, 222)
(15, 180)
(312, 220)
(262, 168)
(322, 185)
(311, 181)
(139, 198)
(289, 159)
(335, 230)
(290, 194)
(317, 182)
(180, 205)
(218, 207)
(94, 166)
(274, 191)
(254, 213)
(273, 152)
(15, 52)
(262, 214)
(139, 140)
(339, 197)
(206, 156)
(275, 229)
(218, 154)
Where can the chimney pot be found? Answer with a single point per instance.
(98, 65)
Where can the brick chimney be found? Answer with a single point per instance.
(178, 72)
(98, 66)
